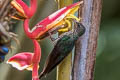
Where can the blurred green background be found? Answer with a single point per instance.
(108, 51)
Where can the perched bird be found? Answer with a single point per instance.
(62, 48)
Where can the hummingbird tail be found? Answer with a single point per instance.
(41, 75)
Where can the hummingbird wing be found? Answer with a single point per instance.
(62, 48)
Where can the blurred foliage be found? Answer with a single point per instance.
(108, 52)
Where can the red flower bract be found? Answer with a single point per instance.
(27, 60)
(25, 10)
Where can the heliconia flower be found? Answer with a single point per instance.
(25, 10)
(54, 20)
(27, 60)
(21, 61)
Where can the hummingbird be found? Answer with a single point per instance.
(62, 48)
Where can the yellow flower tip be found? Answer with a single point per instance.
(18, 8)
(30, 67)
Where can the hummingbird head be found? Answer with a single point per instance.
(79, 29)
